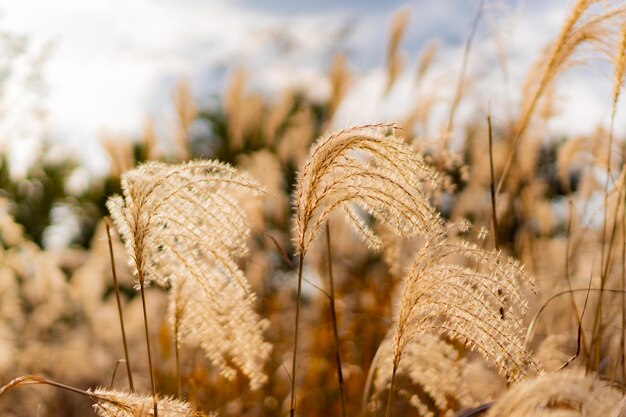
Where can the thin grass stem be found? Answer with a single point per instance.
(535, 319)
(334, 318)
(458, 93)
(582, 339)
(391, 387)
(34, 379)
(292, 409)
(145, 321)
(179, 383)
(605, 269)
(119, 305)
(494, 215)
(622, 344)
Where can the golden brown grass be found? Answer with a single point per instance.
(183, 229)
(559, 394)
(213, 257)
(360, 168)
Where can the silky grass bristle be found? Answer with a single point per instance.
(481, 306)
(557, 394)
(431, 364)
(115, 403)
(360, 169)
(184, 230)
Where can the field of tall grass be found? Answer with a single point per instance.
(263, 262)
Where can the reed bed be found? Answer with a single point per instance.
(277, 265)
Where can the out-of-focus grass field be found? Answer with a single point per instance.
(558, 205)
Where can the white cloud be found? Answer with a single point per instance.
(115, 61)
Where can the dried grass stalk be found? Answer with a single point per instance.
(184, 229)
(479, 304)
(115, 403)
(361, 170)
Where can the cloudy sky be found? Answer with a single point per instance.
(113, 62)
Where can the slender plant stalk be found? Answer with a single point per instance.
(597, 329)
(119, 305)
(533, 322)
(368, 382)
(461, 79)
(117, 364)
(597, 326)
(179, 386)
(34, 379)
(580, 328)
(619, 362)
(617, 84)
(391, 386)
(477, 411)
(582, 340)
(145, 322)
(622, 347)
(292, 410)
(494, 215)
(334, 318)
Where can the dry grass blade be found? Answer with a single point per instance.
(360, 169)
(184, 229)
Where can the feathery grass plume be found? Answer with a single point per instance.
(360, 169)
(243, 110)
(426, 59)
(620, 67)
(115, 403)
(120, 152)
(184, 229)
(339, 77)
(583, 27)
(186, 113)
(566, 393)
(277, 116)
(394, 59)
(295, 141)
(480, 305)
(433, 367)
(149, 139)
(419, 113)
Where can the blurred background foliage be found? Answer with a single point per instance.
(549, 214)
